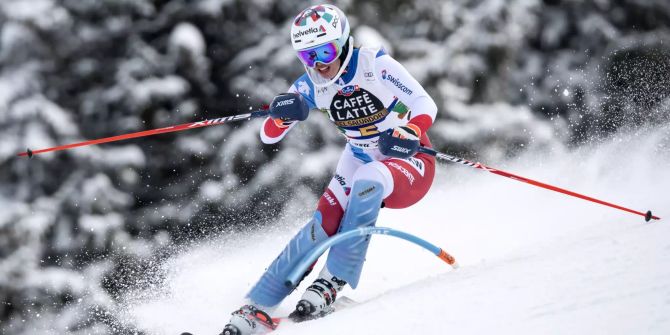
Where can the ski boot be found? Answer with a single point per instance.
(318, 299)
(248, 320)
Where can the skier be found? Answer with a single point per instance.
(384, 113)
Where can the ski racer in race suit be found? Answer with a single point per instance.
(385, 114)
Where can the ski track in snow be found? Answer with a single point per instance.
(532, 261)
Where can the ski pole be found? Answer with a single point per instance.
(294, 277)
(170, 129)
(647, 216)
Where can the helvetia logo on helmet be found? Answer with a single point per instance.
(312, 30)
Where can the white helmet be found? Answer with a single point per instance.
(318, 26)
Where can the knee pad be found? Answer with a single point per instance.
(375, 172)
(345, 259)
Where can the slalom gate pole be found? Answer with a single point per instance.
(647, 216)
(170, 129)
(298, 271)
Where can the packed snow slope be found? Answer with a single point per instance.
(532, 261)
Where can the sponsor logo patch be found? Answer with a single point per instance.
(347, 91)
(417, 164)
(340, 180)
(366, 191)
(396, 82)
(285, 102)
(400, 149)
(330, 199)
(405, 172)
(305, 32)
(219, 120)
(354, 106)
(371, 143)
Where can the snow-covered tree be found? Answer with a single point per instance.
(79, 227)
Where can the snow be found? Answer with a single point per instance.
(159, 88)
(125, 156)
(100, 226)
(316, 163)
(532, 261)
(56, 117)
(17, 83)
(98, 194)
(188, 37)
(488, 122)
(370, 37)
(42, 13)
(211, 190)
(261, 51)
(212, 7)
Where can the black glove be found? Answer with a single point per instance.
(289, 107)
(399, 142)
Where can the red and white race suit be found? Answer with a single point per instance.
(374, 94)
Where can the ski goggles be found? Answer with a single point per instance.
(324, 53)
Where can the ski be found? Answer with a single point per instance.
(340, 304)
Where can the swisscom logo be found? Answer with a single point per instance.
(396, 82)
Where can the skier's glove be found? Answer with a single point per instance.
(287, 108)
(400, 142)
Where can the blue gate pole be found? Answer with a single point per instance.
(299, 270)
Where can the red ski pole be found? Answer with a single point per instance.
(170, 129)
(647, 216)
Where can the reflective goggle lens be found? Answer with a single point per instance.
(325, 54)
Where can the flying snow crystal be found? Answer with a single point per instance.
(566, 92)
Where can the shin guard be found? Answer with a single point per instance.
(345, 259)
(270, 289)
